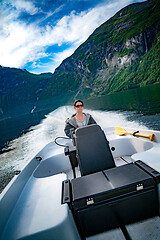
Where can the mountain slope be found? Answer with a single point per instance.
(19, 87)
(122, 53)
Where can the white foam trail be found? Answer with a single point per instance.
(30, 143)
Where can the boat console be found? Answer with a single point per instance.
(105, 196)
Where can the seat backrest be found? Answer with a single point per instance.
(93, 150)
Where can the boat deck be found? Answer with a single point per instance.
(146, 230)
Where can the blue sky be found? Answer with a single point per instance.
(38, 35)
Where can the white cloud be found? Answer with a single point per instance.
(17, 46)
(27, 6)
(21, 43)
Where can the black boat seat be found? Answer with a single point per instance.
(93, 150)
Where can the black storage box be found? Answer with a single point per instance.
(112, 198)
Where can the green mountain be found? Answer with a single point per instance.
(20, 88)
(123, 53)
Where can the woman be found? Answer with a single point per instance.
(79, 119)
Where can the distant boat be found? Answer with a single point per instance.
(94, 190)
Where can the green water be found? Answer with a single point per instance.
(144, 104)
(144, 100)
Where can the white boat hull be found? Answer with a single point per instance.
(31, 203)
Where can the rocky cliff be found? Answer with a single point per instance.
(122, 53)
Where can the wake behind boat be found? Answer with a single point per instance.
(115, 195)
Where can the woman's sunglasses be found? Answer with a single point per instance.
(78, 106)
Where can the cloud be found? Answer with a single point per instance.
(26, 6)
(16, 47)
(21, 42)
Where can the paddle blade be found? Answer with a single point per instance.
(120, 131)
(151, 137)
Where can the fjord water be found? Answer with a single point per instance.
(137, 108)
(142, 103)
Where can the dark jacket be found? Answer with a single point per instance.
(70, 124)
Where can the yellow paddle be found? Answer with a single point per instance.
(122, 131)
